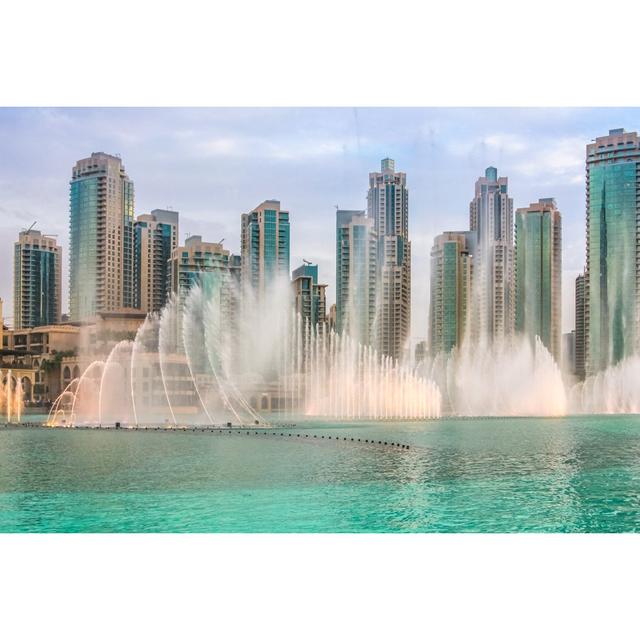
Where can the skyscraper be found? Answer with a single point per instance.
(388, 207)
(37, 280)
(612, 276)
(156, 236)
(101, 237)
(491, 217)
(451, 271)
(235, 270)
(265, 246)
(331, 317)
(190, 264)
(310, 296)
(579, 354)
(538, 274)
(356, 260)
(569, 351)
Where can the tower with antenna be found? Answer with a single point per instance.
(37, 290)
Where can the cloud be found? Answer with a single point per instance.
(553, 157)
(506, 143)
(214, 164)
(493, 143)
(9, 216)
(260, 148)
(543, 157)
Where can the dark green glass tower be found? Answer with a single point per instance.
(612, 278)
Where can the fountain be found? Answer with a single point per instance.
(221, 356)
(516, 378)
(218, 354)
(502, 378)
(614, 390)
(347, 380)
(11, 398)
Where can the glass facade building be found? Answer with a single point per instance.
(451, 272)
(265, 238)
(190, 264)
(579, 355)
(37, 280)
(612, 277)
(310, 296)
(101, 260)
(356, 273)
(538, 274)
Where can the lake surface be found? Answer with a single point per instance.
(577, 474)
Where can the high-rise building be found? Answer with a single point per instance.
(491, 217)
(101, 257)
(580, 345)
(388, 207)
(156, 236)
(310, 296)
(190, 264)
(331, 318)
(356, 260)
(235, 269)
(265, 246)
(235, 287)
(451, 277)
(569, 351)
(612, 275)
(538, 274)
(37, 280)
(420, 353)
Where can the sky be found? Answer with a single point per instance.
(213, 164)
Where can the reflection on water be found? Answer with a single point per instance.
(493, 475)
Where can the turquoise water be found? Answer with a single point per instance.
(577, 474)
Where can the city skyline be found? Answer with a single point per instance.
(490, 286)
(329, 151)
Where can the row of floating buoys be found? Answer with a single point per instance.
(230, 430)
(337, 438)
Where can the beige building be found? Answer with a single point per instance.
(491, 218)
(99, 334)
(332, 317)
(388, 206)
(195, 258)
(40, 350)
(56, 354)
(156, 236)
